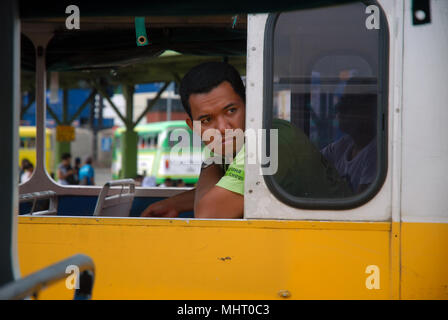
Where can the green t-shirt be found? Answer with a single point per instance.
(302, 170)
(233, 178)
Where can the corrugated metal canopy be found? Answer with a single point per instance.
(106, 39)
(110, 42)
(90, 8)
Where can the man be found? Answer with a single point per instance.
(168, 183)
(180, 183)
(76, 168)
(66, 175)
(213, 94)
(354, 155)
(87, 173)
(148, 181)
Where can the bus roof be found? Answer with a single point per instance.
(30, 131)
(154, 126)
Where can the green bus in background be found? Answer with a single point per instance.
(156, 157)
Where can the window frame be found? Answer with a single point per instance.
(382, 127)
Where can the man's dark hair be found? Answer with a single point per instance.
(205, 77)
(66, 155)
(28, 166)
(360, 103)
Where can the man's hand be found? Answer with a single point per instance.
(165, 208)
(171, 207)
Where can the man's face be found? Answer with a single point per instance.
(354, 120)
(220, 109)
(347, 120)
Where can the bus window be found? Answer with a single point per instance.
(117, 142)
(27, 142)
(142, 143)
(180, 142)
(31, 143)
(151, 142)
(327, 73)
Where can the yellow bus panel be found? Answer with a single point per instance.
(209, 259)
(424, 260)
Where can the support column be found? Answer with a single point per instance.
(99, 126)
(94, 129)
(40, 38)
(9, 131)
(40, 43)
(64, 146)
(129, 137)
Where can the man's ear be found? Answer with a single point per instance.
(189, 123)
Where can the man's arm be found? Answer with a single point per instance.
(92, 177)
(224, 199)
(63, 176)
(60, 174)
(171, 207)
(220, 203)
(212, 201)
(208, 178)
(185, 201)
(207, 200)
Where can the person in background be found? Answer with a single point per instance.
(354, 155)
(167, 183)
(27, 172)
(138, 180)
(65, 170)
(25, 163)
(87, 173)
(77, 167)
(180, 183)
(149, 181)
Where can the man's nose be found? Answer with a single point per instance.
(223, 124)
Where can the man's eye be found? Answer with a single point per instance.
(205, 121)
(231, 110)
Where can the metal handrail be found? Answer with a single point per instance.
(35, 282)
(106, 200)
(36, 195)
(41, 195)
(122, 182)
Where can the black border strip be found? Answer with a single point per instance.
(382, 123)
